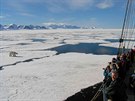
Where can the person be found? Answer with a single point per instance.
(132, 81)
(116, 91)
(122, 66)
(107, 72)
(107, 75)
(133, 54)
(114, 60)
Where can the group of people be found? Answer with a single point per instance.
(114, 76)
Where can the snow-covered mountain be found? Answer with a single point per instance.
(45, 26)
(60, 26)
(10, 27)
(19, 27)
(1, 27)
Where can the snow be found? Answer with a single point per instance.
(37, 27)
(39, 74)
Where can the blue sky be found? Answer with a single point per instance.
(99, 13)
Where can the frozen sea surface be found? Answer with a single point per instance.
(52, 65)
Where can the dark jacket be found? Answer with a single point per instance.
(116, 90)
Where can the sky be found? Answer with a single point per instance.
(84, 13)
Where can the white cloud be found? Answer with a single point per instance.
(93, 22)
(27, 14)
(66, 5)
(52, 23)
(57, 5)
(105, 4)
(16, 5)
(80, 3)
(1, 17)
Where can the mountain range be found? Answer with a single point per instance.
(32, 27)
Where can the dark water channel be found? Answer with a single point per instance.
(87, 48)
(117, 40)
(38, 40)
(112, 40)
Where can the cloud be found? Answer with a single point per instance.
(56, 6)
(27, 14)
(15, 5)
(93, 22)
(80, 4)
(52, 23)
(2, 17)
(105, 4)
